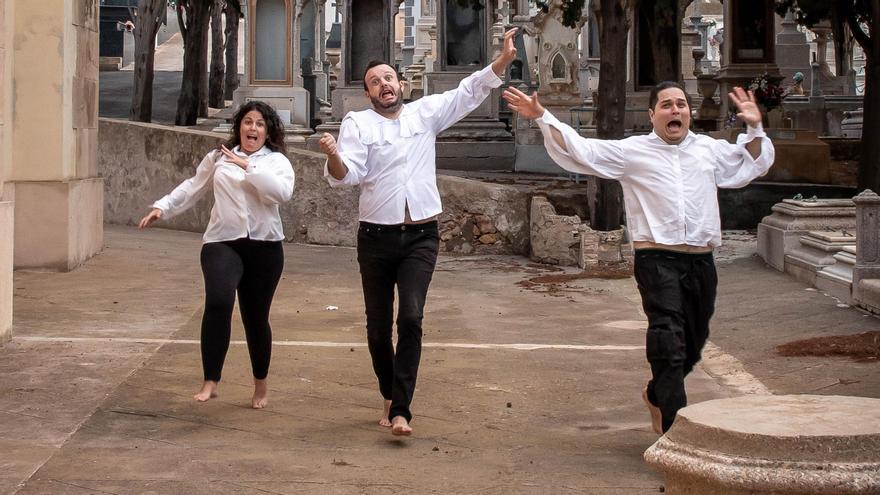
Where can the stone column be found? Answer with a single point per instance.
(7, 212)
(792, 50)
(464, 45)
(272, 63)
(58, 196)
(865, 283)
(367, 34)
(749, 47)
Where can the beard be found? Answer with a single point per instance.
(388, 108)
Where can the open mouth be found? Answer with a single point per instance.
(674, 125)
(251, 139)
(387, 95)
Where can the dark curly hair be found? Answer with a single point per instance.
(274, 126)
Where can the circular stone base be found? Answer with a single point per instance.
(793, 444)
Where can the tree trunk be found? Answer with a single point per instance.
(215, 82)
(869, 165)
(149, 15)
(843, 43)
(233, 11)
(613, 27)
(195, 63)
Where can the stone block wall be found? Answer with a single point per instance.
(142, 162)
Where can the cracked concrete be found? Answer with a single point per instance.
(96, 383)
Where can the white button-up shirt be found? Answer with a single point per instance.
(669, 191)
(393, 161)
(245, 201)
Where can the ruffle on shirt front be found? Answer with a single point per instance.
(376, 129)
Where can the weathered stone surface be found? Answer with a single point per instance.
(143, 162)
(816, 252)
(503, 207)
(760, 445)
(555, 238)
(7, 229)
(868, 254)
(779, 233)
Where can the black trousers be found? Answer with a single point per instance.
(678, 296)
(402, 255)
(253, 269)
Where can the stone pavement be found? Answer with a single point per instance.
(524, 388)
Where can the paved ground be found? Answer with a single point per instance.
(520, 391)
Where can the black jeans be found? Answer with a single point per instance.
(678, 295)
(404, 255)
(253, 268)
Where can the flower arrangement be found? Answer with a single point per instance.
(768, 92)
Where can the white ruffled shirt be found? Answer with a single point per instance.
(670, 191)
(393, 161)
(245, 201)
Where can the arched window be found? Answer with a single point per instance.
(559, 68)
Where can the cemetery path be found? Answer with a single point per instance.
(521, 389)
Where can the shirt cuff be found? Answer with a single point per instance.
(755, 132)
(547, 118)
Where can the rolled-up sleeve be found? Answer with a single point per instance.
(600, 157)
(353, 154)
(273, 178)
(185, 195)
(734, 165)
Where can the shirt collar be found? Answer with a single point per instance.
(262, 151)
(685, 142)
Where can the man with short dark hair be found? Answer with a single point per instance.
(389, 150)
(670, 179)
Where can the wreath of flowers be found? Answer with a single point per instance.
(768, 92)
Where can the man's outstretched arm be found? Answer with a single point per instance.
(530, 108)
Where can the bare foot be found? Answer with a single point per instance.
(383, 421)
(656, 415)
(261, 390)
(400, 427)
(208, 391)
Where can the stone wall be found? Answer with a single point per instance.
(142, 162)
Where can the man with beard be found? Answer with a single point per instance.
(670, 180)
(389, 150)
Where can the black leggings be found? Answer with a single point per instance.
(678, 295)
(253, 268)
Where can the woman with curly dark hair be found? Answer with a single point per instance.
(242, 252)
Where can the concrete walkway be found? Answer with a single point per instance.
(524, 388)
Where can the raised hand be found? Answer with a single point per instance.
(233, 158)
(508, 52)
(327, 144)
(747, 108)
(523, 104)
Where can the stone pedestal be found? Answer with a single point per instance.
(760, 445)
(779, 233)
(7, 212)
(868, 226)
(816, 252)
(836, 279)
(58, 224)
